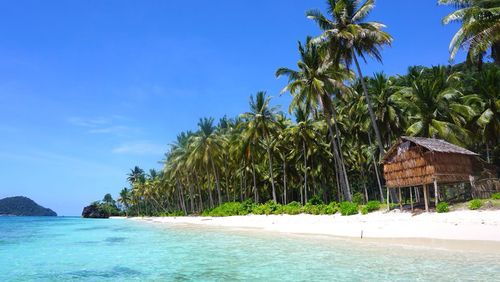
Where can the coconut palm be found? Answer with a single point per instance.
(260, 125)
(349, 37)
(479, 30)
(486, 99)
(434, 103)
(135, 175)
(125, 199)
(206, 149)
(311, 87)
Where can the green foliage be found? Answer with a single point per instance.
(23, 206)
(228, 209)
(358, 198)
(475, 204)
(442, 207)
(331, 208)
(348, 208)
(372, 206)
(292, 208)
(364, 210)
(495, 196)
(315, 200)
(270, 207)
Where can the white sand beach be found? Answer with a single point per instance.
(457, 225)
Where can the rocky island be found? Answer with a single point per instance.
(23, 206)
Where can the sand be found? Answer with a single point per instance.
(457, 225)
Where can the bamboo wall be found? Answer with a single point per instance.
(416, 167)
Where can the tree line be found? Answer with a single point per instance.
(329, 143)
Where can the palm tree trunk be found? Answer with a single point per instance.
(200, 200)
(209, 190)
(217, 184)
(338, 160)
(337, 131)
(305, 170)
(375, 166)
(488, 152)
(284, 181)
(255, 191)
(226, 174)
(271, 171)
(370, 108)
(191, 196)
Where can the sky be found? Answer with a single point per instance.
(89, 89)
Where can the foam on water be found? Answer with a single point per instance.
(51, 249)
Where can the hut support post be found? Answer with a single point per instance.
(436, 192)
(388, 204)
(426, 198)
(400, 199)
(411, 198)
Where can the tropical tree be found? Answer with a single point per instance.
(349, 37)
(311, 87)
(125, 199)
(435, 106)
(479, 28)
(260, 126)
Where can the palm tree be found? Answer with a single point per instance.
(260, 124)
(311, 87)
(479, 30)
(486, 99)
(434, 103)
(136, 174)
(348, 37)
(125, 199)
(206, 148)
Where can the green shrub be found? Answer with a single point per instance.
(270, 207)
(348, 208)
(331, 208)
(358, 198)
(475, 204)
(315, 200)
(372, 206)
(228, 209)
(315, 209)
(364, 209)
(442, 207)
(292, 208)
(495, 196)
(249, 205)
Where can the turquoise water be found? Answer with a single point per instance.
(75, 249)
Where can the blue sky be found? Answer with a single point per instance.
(88, 89)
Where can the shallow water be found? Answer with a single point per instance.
(75, 249)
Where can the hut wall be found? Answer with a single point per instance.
(415, 167)
(408, 168)
(449, 168)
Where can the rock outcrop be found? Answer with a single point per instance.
(95, 211)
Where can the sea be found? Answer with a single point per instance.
(77, 249)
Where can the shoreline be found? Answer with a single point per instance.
(458, 230)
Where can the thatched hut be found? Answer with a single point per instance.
(418, 161)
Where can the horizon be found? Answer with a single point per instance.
(90, 93)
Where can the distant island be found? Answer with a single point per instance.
(23, 206)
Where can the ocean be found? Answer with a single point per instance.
(77, 249)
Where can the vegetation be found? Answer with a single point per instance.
(348, 208)
(495, 196)
(475, 204)
(326, 148)
(442, 207)
(22, 206)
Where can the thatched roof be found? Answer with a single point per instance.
(431, 144)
